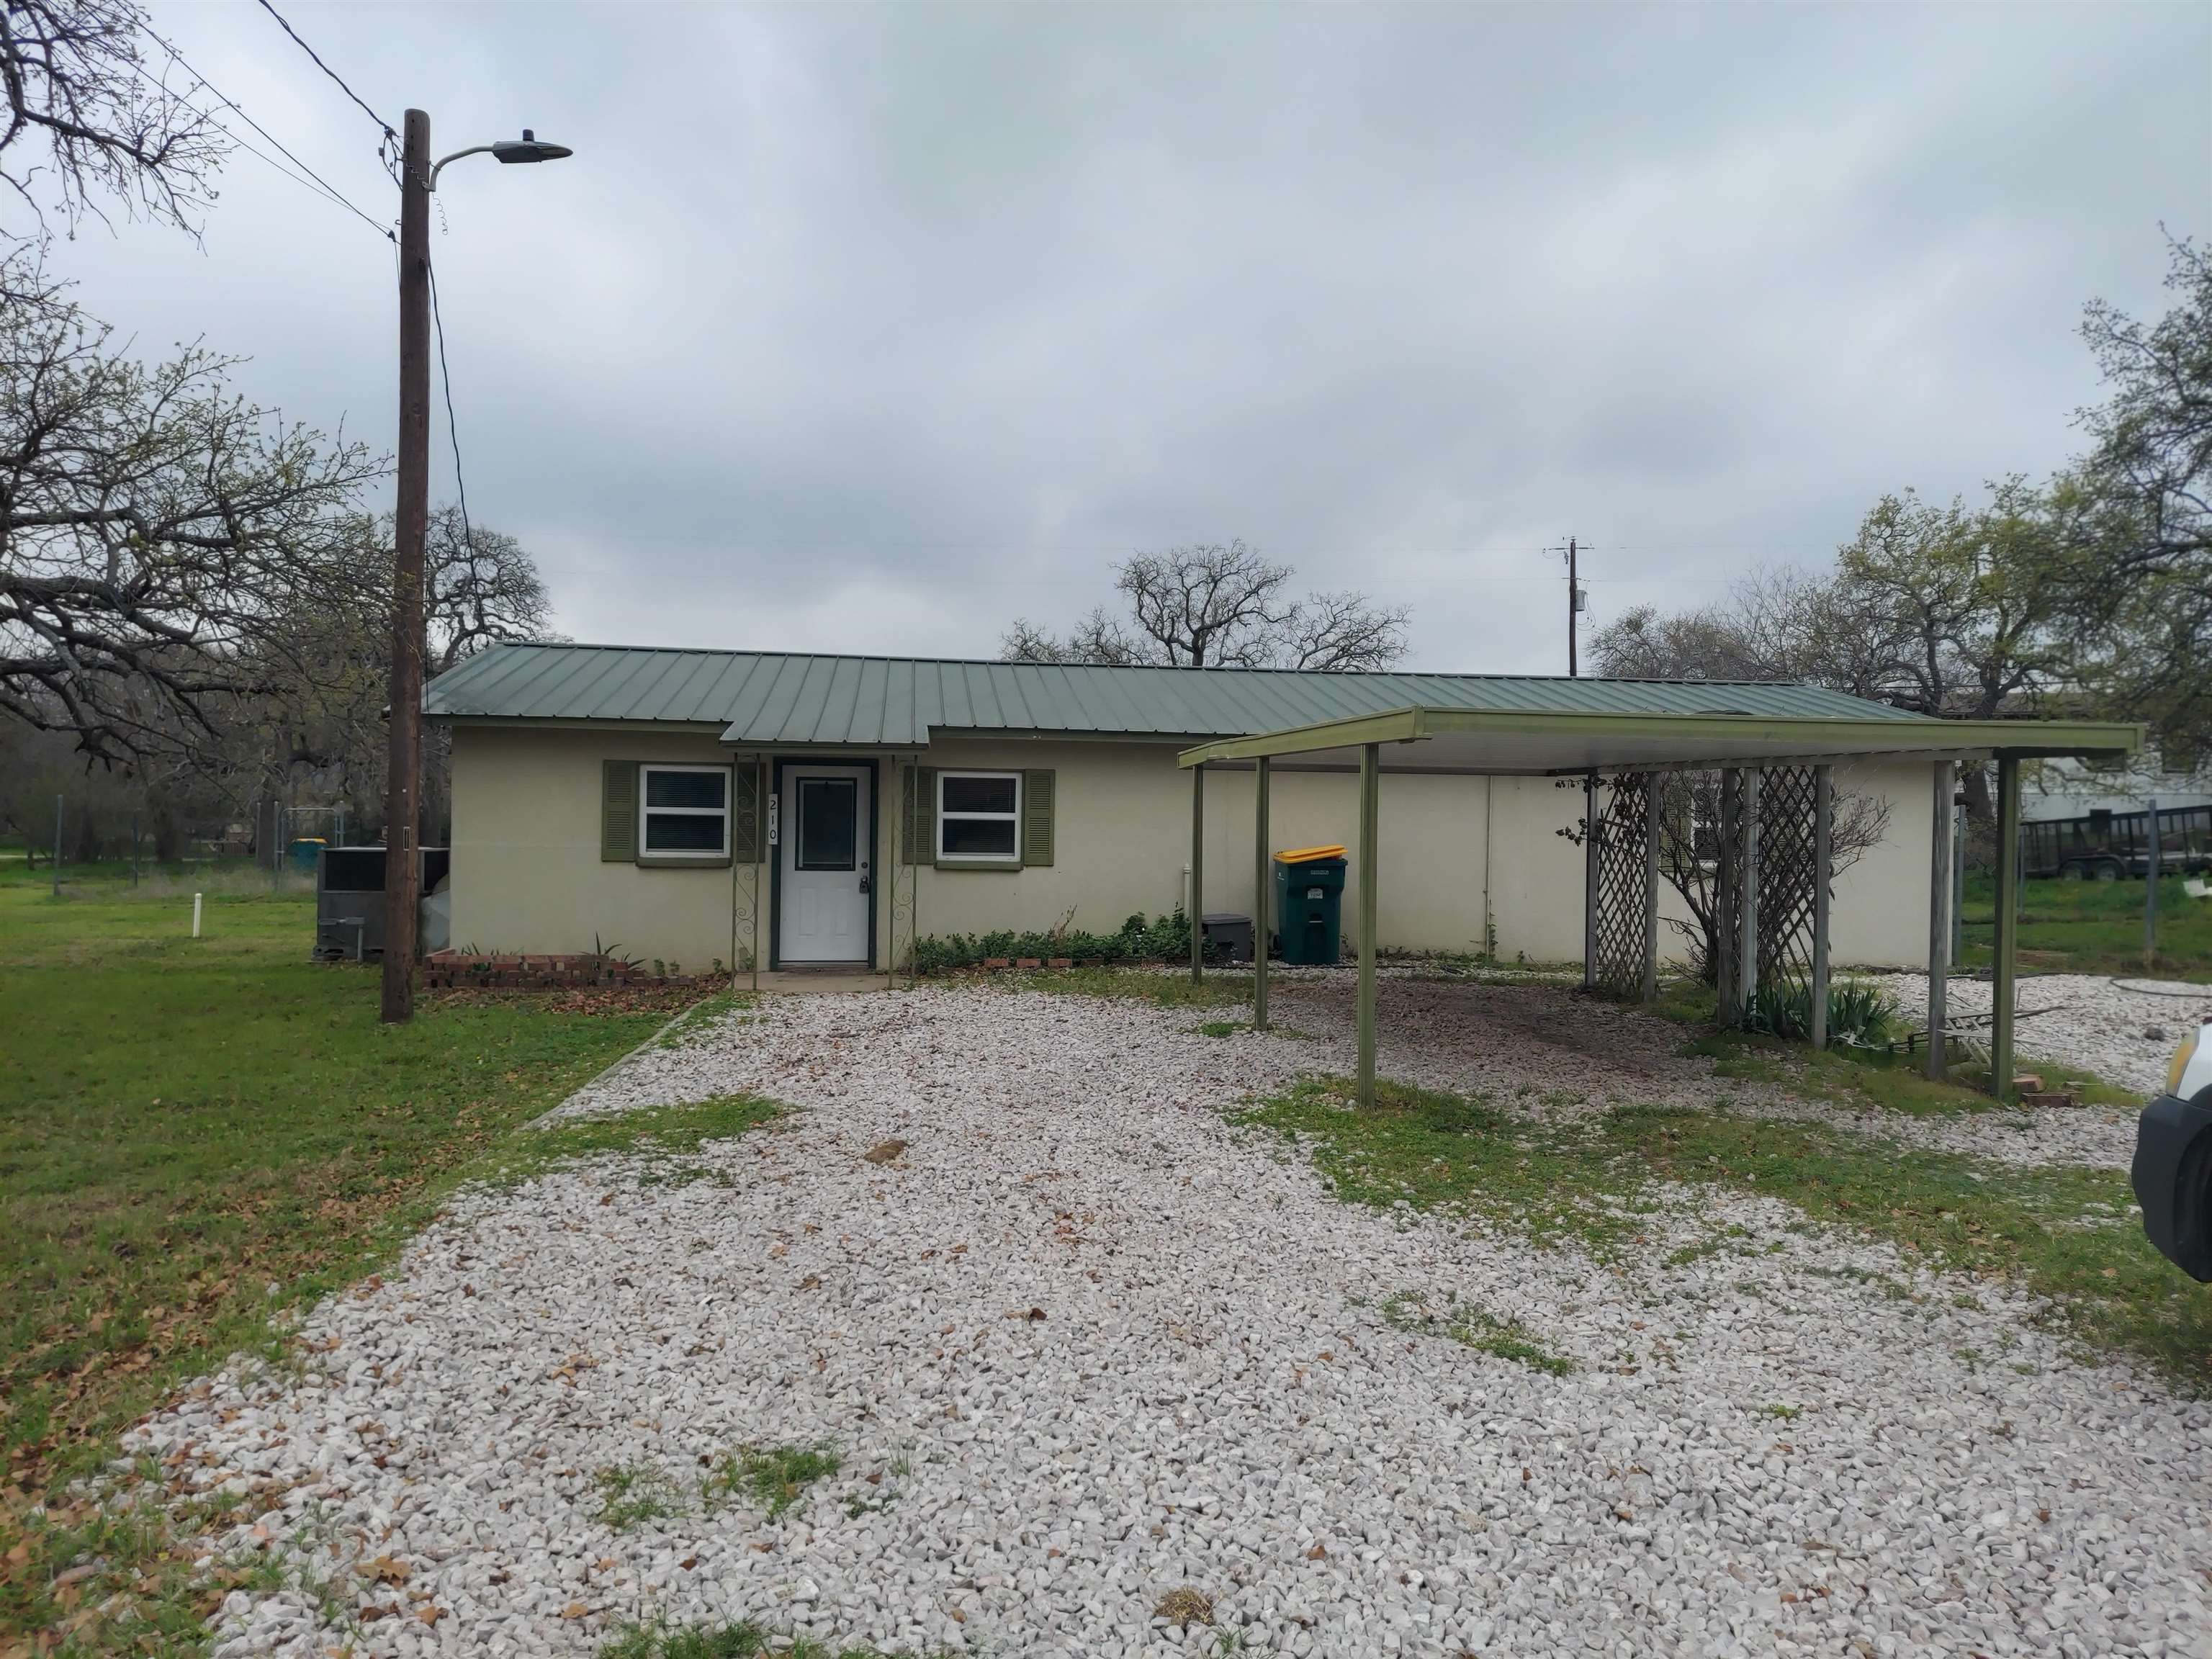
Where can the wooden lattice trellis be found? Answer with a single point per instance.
(1622, 925)
(1786, 876)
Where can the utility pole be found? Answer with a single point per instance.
(410, 522)
(1574, 601)
(403, 867)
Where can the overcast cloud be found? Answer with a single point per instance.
(868, 330)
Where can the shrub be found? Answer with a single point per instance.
(1858, 1013)
(1167, 939)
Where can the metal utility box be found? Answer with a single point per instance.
(349, 898)
(1309, 904)
(1229, 935)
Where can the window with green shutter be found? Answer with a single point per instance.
(1037, 791)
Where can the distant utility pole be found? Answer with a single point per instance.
(1576, 599)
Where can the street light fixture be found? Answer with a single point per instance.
(402, 868)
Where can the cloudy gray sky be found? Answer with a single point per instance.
(858, 329)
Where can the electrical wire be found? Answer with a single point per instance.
(327, 69)
(453, 429)
(312, 181)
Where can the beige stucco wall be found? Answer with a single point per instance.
(1459, 855)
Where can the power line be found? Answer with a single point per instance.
(452, 430)
(313, 181)
(327, 69)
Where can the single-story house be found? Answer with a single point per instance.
(607, 793)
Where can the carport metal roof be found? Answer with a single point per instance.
(1547, 742)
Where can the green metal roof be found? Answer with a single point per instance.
(768, 697)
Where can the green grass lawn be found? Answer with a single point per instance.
(2094, 927)
(2064, 1231)
(196, 1136)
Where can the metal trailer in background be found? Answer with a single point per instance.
(2108, 846)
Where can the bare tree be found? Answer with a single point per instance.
(154, 528)
(480, 587)
(87, 118)
(1689, 814)
(1220, 606)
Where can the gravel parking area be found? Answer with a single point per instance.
(2124, 1034)
(1081, 1344)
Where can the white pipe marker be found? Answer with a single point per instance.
(196, 915)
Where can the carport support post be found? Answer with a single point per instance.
(763, 854)
(1259, 874)
(1747, 877)
(1824, 857)
(1939, 919)
(1590, 880)
(2150, 884)
(2008, 929)
(1371, 812)
(1725, 930)
(1651, 887)
(1197, 873)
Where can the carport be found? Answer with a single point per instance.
(1775, 868)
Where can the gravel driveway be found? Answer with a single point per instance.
(1082, 1344)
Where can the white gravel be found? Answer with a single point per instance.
(1210, 1396)
(2124, 1036)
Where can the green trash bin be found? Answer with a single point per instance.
(1309, 904)
(304, 851)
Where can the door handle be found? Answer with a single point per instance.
(864, 878)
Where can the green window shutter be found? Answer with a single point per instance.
(1037, 790)
(618, 812)
(744, 815)
(921, 831)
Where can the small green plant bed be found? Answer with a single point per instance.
(774, 1478)
(657, 1639)
(2064, 1232)
(1223, 1028)
(1474, 1327)
(1167, 939)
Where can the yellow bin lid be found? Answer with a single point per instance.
(1308, 854)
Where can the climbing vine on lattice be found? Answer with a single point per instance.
(1623, 936)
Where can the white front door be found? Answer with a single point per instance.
(823, 850)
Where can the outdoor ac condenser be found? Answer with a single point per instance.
(349, 899)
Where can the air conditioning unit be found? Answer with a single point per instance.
(350, 901)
